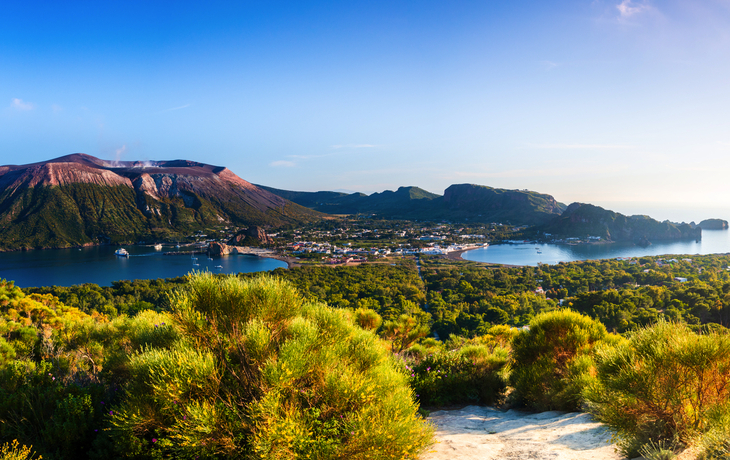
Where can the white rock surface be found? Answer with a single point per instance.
(486, 433)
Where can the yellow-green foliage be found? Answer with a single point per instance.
(666, 382)
(259, 373)
(551, 362)
(403, 332)
(14, 451)
(368, 319)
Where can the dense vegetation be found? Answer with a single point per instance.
(79, 213)
(641, 343)
(235, 369)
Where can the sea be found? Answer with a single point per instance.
(712, 242)
(99, 265)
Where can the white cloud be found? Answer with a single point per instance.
(581, 146)
(549, 65)
(282, 164)
(628, 8)
(56, 108)
(19, 104)
(174, 108)
(354, 146)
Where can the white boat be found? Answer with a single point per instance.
(121, 252)
(158, 247)
(219, 267)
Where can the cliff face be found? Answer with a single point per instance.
(583, 220)
(483, 203)
(80, 199)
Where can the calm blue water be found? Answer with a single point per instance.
(99, 265)
(712, 242)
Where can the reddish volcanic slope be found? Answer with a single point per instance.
(157, 179)
(78, 199)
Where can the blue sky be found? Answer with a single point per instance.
(621, 103)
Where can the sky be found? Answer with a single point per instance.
(620, 103)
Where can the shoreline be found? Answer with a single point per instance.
(457, 257)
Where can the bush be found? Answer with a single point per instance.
(259, 373)
(665, 383)
(470, 375)
(551, 360)
(59, 418)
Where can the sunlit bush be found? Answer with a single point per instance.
(665, 383)
(259, 373)
(551, 360)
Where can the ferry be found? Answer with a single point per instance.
(158, 247)
(121, 252)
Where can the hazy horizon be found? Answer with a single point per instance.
(601, 101)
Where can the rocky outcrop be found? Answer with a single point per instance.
(583, 220)
(259, 234)
(218, 249)
(713, 224)
(253, 235)
(482, 203)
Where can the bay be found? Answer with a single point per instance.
(712, 242)
(99, 265)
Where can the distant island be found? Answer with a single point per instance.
(582, 220)
(713, 224)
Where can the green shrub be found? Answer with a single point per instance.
(58, 417)
(551, 360)
(259, 373)
(368, 319)
(404, 332)
(472, 374)
(665, 383)
(658, 451)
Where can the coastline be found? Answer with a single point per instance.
(456, 256)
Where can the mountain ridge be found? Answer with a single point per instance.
(474, 203)
(79, 199)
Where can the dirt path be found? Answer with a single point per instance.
(485, 433)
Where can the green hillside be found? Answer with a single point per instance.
(78, 214)
(583, 220)
(464, 202)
